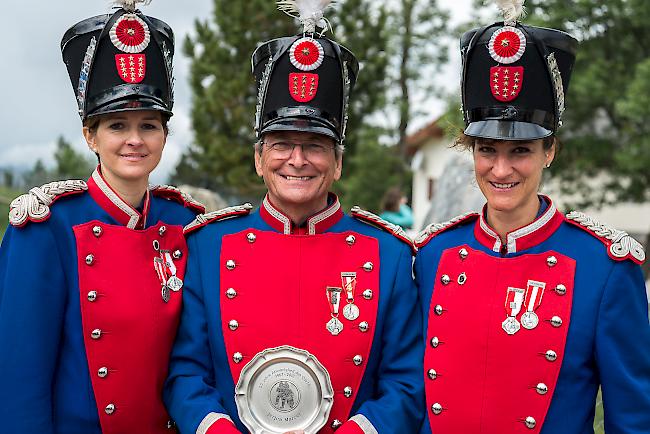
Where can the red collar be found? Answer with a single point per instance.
(523, 238)
(316, 224)
(113, 204)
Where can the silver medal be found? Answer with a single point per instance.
(334, 326)
(174, 283)
(511, 325)
(351, 311)
(165, 293)
(529, 320)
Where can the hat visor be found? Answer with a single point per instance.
(128, 105)
(506, 130)
(301, 124)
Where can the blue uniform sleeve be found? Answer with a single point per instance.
(189, 393)
(32, 304)
(398, 407)
(623, 351)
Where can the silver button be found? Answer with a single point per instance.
(435, 342)
(110, 409)
(233, 325)
(96, 334)
(237, 357)
(171, 424)
(363, 326)
(251, 237)
(432, 374)
(97, 231)
(541, 388)
(231, 293)
(436, 408)
(438, 309)
(358, 360)
(550, 355)
(445, 279)
(368, 266)
(90, 259)
(462, 278)
(102, 372)
(347, 392)
(556, 321)
(162, 230)
(230, 264)
(350, 239)
(560, 289)
(92, 296)
(551, 261)
(463, 253)
(156, 245)
(336, 424)
(367, 294)
(530, 422)
(177, 254)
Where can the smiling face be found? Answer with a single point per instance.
(129, 145)
(299, 178)
(509, 174)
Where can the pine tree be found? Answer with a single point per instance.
(70, 164)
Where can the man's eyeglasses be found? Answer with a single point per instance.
(285, 149)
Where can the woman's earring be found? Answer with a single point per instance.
(548, 165)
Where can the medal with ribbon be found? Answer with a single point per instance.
(533, 300)
(160, 268)
(514, 301)
(334, 325)
(173, 282)
(349, 282)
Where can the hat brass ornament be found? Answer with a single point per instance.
(120, 62)
(515, 77)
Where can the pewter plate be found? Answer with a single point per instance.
(283, 389)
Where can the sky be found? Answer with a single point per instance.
(38, 103)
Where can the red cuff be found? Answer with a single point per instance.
(350, 427)
(223, 426)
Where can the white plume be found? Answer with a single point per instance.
(130, 5)
(309, 12)
(512, 10)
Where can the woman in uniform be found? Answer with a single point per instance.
(528, 311)
(91, 271)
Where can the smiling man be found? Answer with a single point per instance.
(298, 316)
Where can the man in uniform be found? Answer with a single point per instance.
(280, 301)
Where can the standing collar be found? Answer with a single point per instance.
(316, 224)
(523, 238)
(113, 204)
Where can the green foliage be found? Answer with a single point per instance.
(420, 29)
(224, 98)
(606, 128)
(370, 173)
(70, 164)
(224, 91)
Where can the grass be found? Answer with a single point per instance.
(6, 196)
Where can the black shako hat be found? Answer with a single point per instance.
(304, 82)
(515, 78)
(120, 62)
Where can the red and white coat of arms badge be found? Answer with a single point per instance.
(506, 82)
(303, 86)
